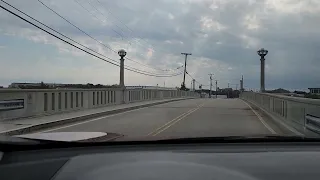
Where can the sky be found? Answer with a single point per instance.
(222, 35)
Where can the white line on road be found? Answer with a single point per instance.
(260, 118)
(282, 123)
(96, 119)
(91, 120)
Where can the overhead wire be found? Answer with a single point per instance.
(101, 14)
(83, 31)
(68, 37)
(95, 17)
(120, 21)
(113, 30)
(74, 25)
(192, 77)
(136, 71)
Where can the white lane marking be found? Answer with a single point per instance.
(260, 118)
(282, 123)
(91, 120)
(99, 118)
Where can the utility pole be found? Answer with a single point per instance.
(210, 84)
(216, 89)
(228, 91)
(183, 85)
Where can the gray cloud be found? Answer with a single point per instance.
(222, 35)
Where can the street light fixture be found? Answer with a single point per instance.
(122, 53)
(262, 53)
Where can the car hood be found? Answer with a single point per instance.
(106, 136)
(71, 136)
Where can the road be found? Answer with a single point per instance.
(187, 118)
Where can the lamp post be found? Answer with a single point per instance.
(262, 53)
(122, 53)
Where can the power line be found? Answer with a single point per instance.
(77, 46)
(70, 38)
(116, 32)
(193, 78)
(78, 28)
(120, 21)
(74, 25)
(102, 14)
(96, 17)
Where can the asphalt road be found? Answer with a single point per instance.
(187, 118)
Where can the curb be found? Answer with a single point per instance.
(43, 126)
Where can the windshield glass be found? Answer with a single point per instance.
(138, 69)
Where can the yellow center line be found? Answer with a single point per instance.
(170, 121)
(174, 121)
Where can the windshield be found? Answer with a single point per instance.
(140, 69)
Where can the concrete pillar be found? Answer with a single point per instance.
(123, 93)
(121, 72)
(194, 84)
(262, 87)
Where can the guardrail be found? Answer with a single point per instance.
(17, 103)
(300, 113)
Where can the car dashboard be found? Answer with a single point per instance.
(231, 161)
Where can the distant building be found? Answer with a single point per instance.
(314, 91)
(22, 85)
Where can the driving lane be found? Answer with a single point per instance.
(220, 117)
(187, 118)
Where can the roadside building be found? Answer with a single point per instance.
(314, 91)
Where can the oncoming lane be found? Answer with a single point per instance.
(187, 118)
(138, 122)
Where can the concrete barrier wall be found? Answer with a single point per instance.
(17, 103)
(291, 110)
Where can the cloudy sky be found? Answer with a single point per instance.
(222, 35)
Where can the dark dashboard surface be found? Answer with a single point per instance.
(193, 161)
